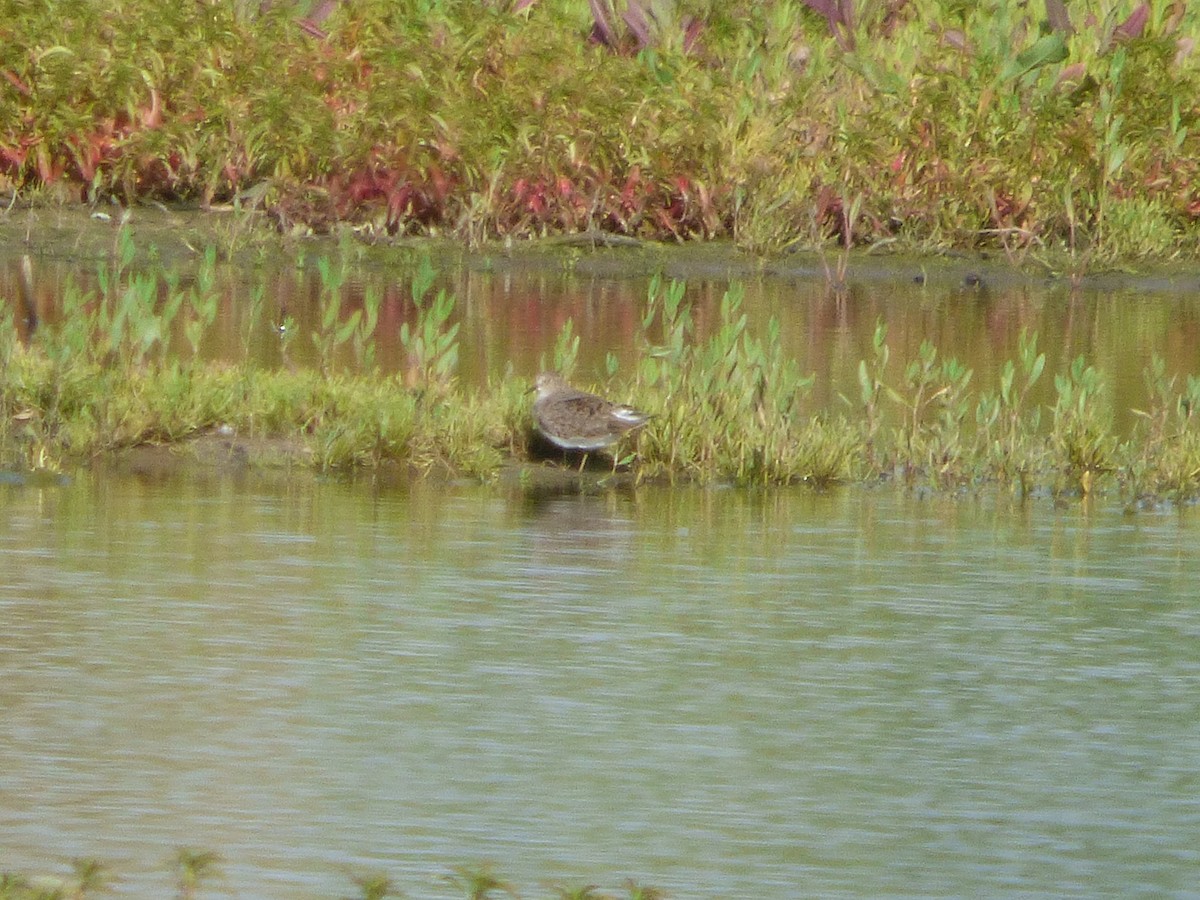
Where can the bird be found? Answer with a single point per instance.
(572, 419)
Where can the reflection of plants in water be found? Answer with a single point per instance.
(123, 365)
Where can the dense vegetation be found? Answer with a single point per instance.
(124, 367)
(926, 123)
(932, 123)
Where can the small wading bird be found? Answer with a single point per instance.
(578, 421)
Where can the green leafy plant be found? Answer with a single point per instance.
(872, 388)
(1082, 437)
(432, 342)
(335, 330)
(1007, 423)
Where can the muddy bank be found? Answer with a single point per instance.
(177, 235)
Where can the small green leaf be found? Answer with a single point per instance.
(1046, 50)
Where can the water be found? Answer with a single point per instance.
(512, 308)
(720, 693)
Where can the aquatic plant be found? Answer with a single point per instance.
(1007, 427)
(376, 886)
(480, 882)
(124, 365)
(1168, 462)
(586, 892)
(364, 334)
(566, 351)
(936, 404)
(334, 330)
(88, 876)
(872, 388)
(730, 404)
(639, 891)
(202, 304)
(1083, 444)
(431, 343)
(193, 868)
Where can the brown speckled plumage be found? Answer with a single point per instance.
(575, 420)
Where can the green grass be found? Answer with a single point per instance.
(924, 123)
(123, 368)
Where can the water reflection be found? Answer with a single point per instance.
(723, 693)
(511, 313)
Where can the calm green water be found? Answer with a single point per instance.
(722, 693)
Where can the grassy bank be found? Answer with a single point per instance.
(1025, 128)
(124, 368)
